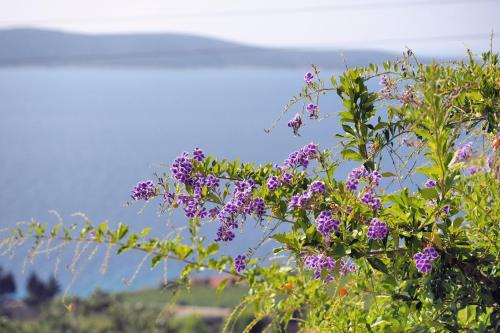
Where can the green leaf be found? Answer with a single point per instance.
(428, 193)
(377, 264)
(212, 248)
(155, 261)
(351, 155)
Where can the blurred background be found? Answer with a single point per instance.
(96, 95)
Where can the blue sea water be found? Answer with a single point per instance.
(77, 140)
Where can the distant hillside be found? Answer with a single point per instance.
(32, 47)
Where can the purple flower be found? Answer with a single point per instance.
(375, 177)
(446, 209)
(224, 234)
(423, 260)
(273, 183)
(287, 178)
(320, 263)
(182, 168)
(213, 212)
(469, 171)
(430, 183)
(352, 184)
(464, 152)
(423, 265)
(358, 173)
(295, 123)
(308, 78)
(377, 229)
(143, 190)
(384, 81)
(313, 110)
(198, 154)
(370, 200)
(239, 263)
(346, 267)
(325, 223)
(317, 187)
(258, 206)
(407, 98)
(302, 156)
(431, 252)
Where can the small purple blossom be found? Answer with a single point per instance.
(239, 263)
(258, 207)
(320, 263)
(464, 152)
(384, 81)
(273, 183)
(198, 154)
(182, 168)
(430, 183)
(213, 212)
(308, 78)
(143, 190)
(317, 187)
(358, 173)
(407, 98)
(446, 209)
(352, 184)
(302, 156)
(287, 178)
(325, 224)
(312, 110)
(371, 201)
(423, 260)
(377, 229)
(469, 171)
(295, 123)
(375, 177)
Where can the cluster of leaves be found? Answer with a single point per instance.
(409, 130)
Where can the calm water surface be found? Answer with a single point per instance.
(77, 140)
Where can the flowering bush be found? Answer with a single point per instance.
(407, 241)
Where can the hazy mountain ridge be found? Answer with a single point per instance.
(33, 47)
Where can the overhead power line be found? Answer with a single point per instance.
(260, 12)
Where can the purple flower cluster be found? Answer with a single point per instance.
(198, 154)
(386, 82)
(143, 190)
(423, 260)
(302, 156)
(469, 171)
(319, 263)
(274, 182)
(346, 267)
(354, 176)
(312, 110)
(295, 123)
(308, 78)
(325, 224)
(374, 177)
(304, 199)
(407, 98)
(430, 183)
(239, 263)
(377, 229)
(182, 168)
(318, 187)
(464, 152)
(370, 200)
(368, 197)
(241, 204)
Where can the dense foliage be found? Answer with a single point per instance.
(407, 241)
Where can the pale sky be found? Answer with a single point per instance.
(453, 25)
